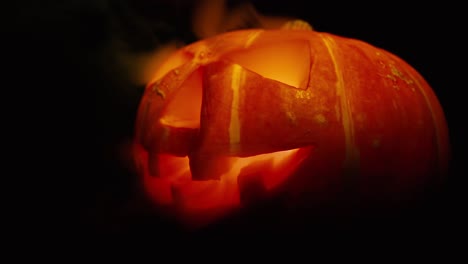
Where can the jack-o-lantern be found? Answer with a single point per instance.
(306, 116)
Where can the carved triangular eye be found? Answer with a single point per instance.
(183, 108)
(285, 61)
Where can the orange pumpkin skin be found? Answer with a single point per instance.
(310, 117)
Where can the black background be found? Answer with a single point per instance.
(87, 106)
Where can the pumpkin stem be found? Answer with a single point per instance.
(297, 24)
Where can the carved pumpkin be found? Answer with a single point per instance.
(307, 116)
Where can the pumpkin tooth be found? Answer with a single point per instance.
(251, 184)
(177, 141)
(205, 167)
